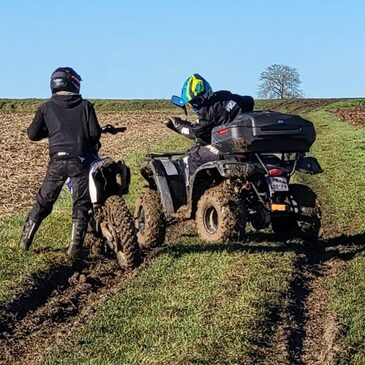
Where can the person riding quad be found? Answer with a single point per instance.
(213, 109)
(71, 126)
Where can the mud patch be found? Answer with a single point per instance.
(177, 229)
(38, 289)
(308, 328)
(322, 322)
(66, 304)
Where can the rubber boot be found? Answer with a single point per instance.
(29, 230)
(79, 229)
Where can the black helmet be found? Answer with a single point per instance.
(65, 79)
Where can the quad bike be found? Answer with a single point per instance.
(112, 221)
(248, 183)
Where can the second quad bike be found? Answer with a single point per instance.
(248, 183)
(112, 221)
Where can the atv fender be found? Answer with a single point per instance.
(309, 165)
(163, 175)
(212, 173)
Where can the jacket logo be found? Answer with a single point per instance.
(230, 105)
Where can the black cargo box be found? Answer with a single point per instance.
(265, 132)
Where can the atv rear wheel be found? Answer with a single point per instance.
(118, 222)
(309, 220)
(149, 219)
(285, 228)
(219, 216)
(307, 223)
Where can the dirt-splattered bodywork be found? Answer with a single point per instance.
(253, 184)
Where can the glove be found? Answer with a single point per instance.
(172, 122)
(109, 129)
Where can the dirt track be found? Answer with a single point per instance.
(307, 330)
(80, 291)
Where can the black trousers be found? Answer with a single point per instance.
(57, 173)
(199, 155)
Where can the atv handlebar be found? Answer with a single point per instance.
(112, 130)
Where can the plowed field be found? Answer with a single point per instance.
(354, 115)
(23, 163)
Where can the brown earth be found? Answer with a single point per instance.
(23, 163)
(299, 106)
(353, 115)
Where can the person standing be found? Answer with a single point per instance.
(72, 128)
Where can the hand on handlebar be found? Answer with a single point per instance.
(172, 123)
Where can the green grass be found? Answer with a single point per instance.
(344, 104)
(197, 304)
(117, 105)
(16, 266)
(341, 151)
(348, 290)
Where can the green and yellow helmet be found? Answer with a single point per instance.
(194, 90)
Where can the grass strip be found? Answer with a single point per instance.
(341, 151)
(195, 305)
(109, 105)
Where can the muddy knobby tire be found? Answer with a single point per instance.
(307, 223)
(220, 217)
(117, 214)
(309, 219)
(149, 219)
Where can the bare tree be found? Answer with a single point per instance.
(280, 82)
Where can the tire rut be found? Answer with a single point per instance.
(308, 328)
(59, 302)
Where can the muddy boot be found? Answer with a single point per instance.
(29, 230)
(79, 229)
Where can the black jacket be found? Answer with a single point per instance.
(221, 108)
(71, 125)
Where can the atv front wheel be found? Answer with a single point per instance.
(149, 219)
(219, 216)
(117, 226)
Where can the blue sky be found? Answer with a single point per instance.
(146, 49)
